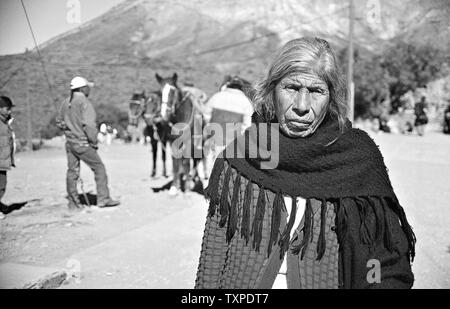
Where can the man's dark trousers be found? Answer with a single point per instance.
(2, 183)
(3, 179)
(87, 154)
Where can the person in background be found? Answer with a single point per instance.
(77, 119)
(421, 116)
(6, 147)
(101, 136)
(228, 106)
(447, 120)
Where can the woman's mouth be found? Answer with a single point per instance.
(297, 124)
(300, 122)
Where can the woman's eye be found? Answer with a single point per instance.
(292, 87)
(316, 90)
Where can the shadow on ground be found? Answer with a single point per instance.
(197, 186)
(7, 209)
(88, 199)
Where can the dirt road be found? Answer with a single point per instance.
(153, 240)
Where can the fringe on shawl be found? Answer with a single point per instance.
(278, 204)
(258, 221)
(245, 223)
(365, 205)
(232, 220)
(285, 236)
(383, 221)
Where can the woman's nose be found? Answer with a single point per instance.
(302, 103)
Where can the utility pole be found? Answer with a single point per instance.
(350, 84)
(28, 105)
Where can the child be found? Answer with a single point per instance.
(6, 147)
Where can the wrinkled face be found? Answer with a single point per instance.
(301, 102)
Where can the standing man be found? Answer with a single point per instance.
(447, 120)
(77, 119)
(6, 146)
(421, 116)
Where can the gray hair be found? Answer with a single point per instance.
(304, 55)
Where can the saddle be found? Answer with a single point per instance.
(198, 97)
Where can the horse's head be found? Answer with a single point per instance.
(135, 107)
(170, 95)
(152, 108)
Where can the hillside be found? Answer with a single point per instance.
(202, 41)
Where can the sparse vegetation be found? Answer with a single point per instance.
(382, 80)
(121, 51)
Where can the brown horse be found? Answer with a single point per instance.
(179, 107)
(148, 109)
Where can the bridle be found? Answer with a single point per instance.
(155, 112)
(133, 117)
(168, 110)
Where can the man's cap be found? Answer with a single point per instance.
(78, 82)
(6, 102)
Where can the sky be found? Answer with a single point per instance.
(48, 18)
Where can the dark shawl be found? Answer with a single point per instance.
(342, 167)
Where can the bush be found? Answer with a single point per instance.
(387, 77)
(50, 130)
(112, 116)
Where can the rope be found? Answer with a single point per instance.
(40, 57)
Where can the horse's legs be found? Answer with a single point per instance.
(205, 168)
(154, 143)
(164, 156)
(176, 163)
(184, 174)
(163, 134)
(196, 161)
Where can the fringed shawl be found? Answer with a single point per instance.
(329, 166)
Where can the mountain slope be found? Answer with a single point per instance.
(201, 40)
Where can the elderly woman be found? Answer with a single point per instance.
(353, 232)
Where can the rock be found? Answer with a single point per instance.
(21, 276)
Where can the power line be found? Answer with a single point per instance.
(40, 56)
(350, 84)
(265, 35)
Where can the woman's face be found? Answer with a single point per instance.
(301, 102)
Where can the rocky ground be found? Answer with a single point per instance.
(153, 240)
